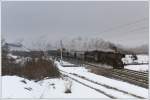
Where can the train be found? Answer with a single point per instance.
(110, 58)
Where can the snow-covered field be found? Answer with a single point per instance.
(140, 59)
(13, 87)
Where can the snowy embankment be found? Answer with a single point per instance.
(120, 85)
(140, 59)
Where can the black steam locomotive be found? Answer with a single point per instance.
(109, 58)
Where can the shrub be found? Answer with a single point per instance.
(38, 69)
(33, 69)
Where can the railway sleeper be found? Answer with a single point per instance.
(133, 78)
(132, 72)
(131, 75)
(145, 85)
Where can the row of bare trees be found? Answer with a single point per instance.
(87, 44)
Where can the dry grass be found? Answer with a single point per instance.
(33, 69)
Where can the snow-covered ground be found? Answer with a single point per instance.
(141, 68)
(17, 87)
(12, 56)
(140, 59)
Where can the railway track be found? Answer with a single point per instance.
(136, 74)
(83, 80)
(134, 77)
(127, 70)
(131, 76)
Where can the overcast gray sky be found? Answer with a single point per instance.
(124, 23)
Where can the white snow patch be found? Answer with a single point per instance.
(12, 87)
(12, 56)
(140, 59)
(142, 68)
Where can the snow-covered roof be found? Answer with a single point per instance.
(16, 47)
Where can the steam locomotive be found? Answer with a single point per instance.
(109, 58)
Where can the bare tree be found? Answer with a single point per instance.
(85, 44)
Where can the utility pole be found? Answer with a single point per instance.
(61, 50)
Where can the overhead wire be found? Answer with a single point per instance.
(125, 25)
